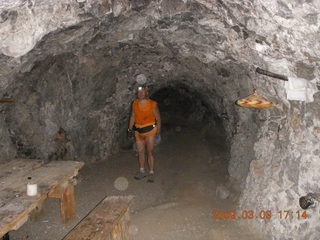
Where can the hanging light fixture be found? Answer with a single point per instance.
(254, 101)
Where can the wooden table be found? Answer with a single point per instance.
(54, 179)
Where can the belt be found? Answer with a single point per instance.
(144, 129)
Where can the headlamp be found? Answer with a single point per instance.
(140, 88)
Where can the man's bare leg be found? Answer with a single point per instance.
(141, 152)
(150, 146)
(141, 155)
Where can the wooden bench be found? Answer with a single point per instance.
(109, 220)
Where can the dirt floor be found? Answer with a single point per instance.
(178, 206)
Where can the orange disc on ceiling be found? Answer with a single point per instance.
(254, 101)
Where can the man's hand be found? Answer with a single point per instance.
(130, 133)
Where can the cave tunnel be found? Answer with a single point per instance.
(70, 71)
(182, 107)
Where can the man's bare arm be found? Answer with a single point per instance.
(158, 118)
(131, 121)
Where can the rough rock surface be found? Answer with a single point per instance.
(73, 64)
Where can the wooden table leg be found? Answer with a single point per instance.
(68, 203)
(65, 192)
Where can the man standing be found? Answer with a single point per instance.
(146, 123)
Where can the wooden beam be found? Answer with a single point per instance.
(65, 193)
(68, 204)
(271, 74)
(7, 100)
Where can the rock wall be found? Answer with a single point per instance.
(82, 78)
(72, 65)
(284, 169)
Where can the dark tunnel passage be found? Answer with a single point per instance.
(182, 107)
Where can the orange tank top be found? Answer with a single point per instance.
(143, 112)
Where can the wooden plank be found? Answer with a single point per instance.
(105, 221)
(15, 214)
(13, 166)
(7, 100)
(10, 173)
(20, 164)
(15, 205)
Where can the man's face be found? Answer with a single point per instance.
(142, 94)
